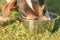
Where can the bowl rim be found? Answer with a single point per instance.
(57, 16)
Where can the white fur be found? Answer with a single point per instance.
(47, 15)
(5, 19)
(30, 4)
(8, 1)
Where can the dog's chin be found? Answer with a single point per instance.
(8, 1)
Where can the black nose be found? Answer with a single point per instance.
(41, 2)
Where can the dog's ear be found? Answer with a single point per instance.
(6, 8)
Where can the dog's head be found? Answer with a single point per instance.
(36, 7)
(31, 9)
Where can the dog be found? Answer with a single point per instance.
(38, 8)
(30, 9)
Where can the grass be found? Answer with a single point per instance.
(14, 30)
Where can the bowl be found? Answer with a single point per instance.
(39, 26)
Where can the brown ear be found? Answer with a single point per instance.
(6, 13)
(6, 9)
(3, 10)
